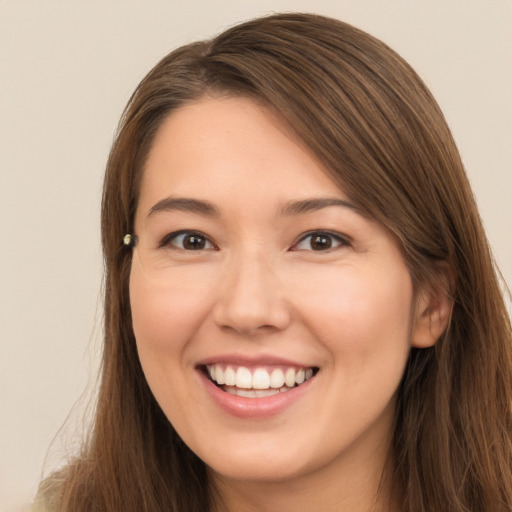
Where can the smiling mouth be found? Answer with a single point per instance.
(257, 382)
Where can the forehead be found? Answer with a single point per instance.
(230, 149)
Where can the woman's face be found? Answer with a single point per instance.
(273, 319)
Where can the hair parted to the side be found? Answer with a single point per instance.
(374, 125)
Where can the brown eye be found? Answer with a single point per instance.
(320, 241)
(194, 242)
(188, 241)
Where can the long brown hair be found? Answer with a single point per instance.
(375, 126)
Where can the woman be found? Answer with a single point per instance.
(301, 307)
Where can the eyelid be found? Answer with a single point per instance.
(343, 240)
(170, 237)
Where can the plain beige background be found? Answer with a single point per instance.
(66, 71)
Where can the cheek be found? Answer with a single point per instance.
(164, 315)
(361, 316)
(164, 321)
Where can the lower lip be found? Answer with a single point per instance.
(254, 408)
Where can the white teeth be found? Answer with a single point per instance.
(229, 376)
(261, 393)
(260, 379)
(247, 393)
(219, 375)
(243, 378)
(251, 393)
(289, 378)
(277, 378)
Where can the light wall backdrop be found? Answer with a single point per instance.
(66, 70)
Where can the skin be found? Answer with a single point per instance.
(258, 289)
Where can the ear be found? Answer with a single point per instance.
(433, 310)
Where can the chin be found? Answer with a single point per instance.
(264, 470)
(263, 460)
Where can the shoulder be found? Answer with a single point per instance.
(49, 494)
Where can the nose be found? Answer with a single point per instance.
(250, 298)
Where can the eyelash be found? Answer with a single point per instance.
(172, 237)
(335, 241)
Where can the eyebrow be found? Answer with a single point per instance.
(314, 204)
(184, 204)
(202, 207)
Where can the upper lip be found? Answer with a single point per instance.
(253, 361)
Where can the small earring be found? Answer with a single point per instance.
(129, 240)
